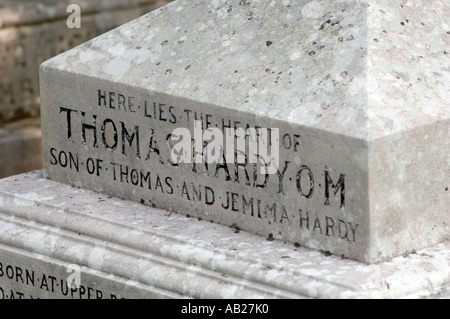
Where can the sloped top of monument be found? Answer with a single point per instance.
(360, 68)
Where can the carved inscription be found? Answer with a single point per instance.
(19, 282)
(136, 155)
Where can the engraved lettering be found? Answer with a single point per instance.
(340, 186)
(305, 170)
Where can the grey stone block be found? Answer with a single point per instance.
(357, 89)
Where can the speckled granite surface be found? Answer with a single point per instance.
(360, 68)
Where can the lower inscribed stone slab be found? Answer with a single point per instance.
(53, 235)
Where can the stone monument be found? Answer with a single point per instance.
(360, 174)
(276, 126)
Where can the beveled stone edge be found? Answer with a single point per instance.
(30, 220)
(99, 275)
(211, 266)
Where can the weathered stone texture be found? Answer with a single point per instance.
(121, 249)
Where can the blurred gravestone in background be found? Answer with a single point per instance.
(32, 31)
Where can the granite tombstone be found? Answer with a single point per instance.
(324, 124)
(350, 96)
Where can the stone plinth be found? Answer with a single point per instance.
(358, 91)
(53, 235)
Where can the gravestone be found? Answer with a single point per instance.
(349, 98)
(357, 173)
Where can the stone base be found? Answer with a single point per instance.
(52, 235)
